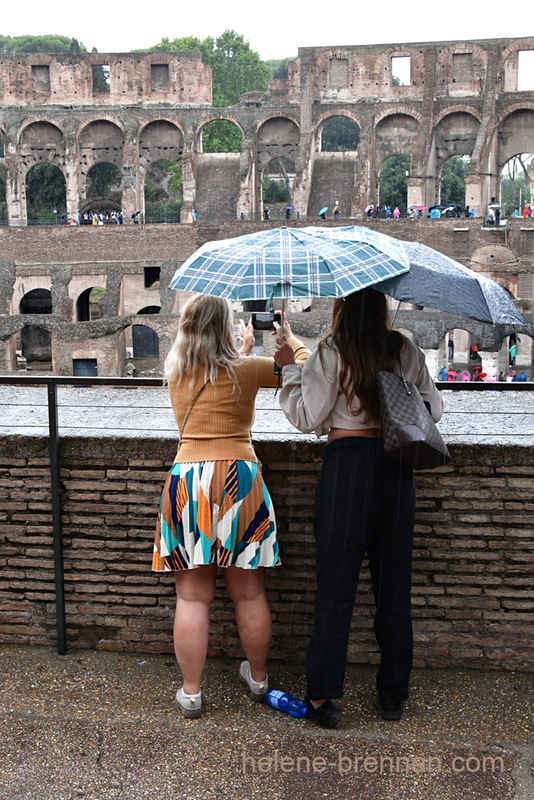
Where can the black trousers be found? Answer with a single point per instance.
(364, 503)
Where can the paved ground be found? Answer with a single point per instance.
(103, 726)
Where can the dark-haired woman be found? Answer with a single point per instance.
(364, 500)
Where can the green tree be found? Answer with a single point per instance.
(393, 187)
(236, 68)
(40, 44)
(338, 134)
(278, 67)
(453, 177)
(101, 178)
(45, 192)
(221, 136)
(515, 186)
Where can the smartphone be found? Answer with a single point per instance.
(264, 321)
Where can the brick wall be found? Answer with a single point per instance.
(473, 559)
(84, 246)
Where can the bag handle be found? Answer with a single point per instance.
(404, 381)
(190, 408)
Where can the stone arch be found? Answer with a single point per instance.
(162, 192)
(382, 66)
(100, 140)
(149, 310)
(88, 304)
(218, 127)
(508, 62)
(515, 134)
(455, 135)
(393, 184)
(36, 344)
(145, 342)
(345, 138)
(41, 141)
(277, 137)
(102, 190)
(160, 140)
(394, 135)
(454, 171)
(36, 301)
(283, 172)
(517, 184)
(45, 189)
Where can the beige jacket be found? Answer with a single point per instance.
(312, 399)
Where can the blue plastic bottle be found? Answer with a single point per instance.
(284, 702)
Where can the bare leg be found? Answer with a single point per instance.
(194, 593)
(246, 588)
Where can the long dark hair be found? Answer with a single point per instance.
(361, 333)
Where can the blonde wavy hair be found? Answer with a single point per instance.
(205, 341)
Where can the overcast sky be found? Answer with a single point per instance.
(274, 30)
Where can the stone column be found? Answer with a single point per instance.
(72, 180)
(432, 362)
(16, 203)
(490, 365)
(245, 206)
(474, 194)
(365, 180)
(130, 188)
(415, 191)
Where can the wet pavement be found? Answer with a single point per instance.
(103, 726)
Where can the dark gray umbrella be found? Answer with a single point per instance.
(436, 281)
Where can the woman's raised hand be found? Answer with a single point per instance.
(246, 332)
(288, 333)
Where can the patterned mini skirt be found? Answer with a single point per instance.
(215, 512)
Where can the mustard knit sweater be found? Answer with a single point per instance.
(218, 427)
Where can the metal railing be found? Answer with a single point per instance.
(52, 382)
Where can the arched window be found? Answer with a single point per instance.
(393, 185)
(88, 304)
(339, 134)
(163, 192)
(145, 342)
(221, 136)
(37, 301)
(46, 194)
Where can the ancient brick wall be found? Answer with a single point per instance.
(458, 98)
(68, 261)
(473, 554)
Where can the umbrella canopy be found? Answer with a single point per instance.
(436, 281)
(288, 263)
(323, 210)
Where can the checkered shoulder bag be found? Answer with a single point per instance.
(409, 432)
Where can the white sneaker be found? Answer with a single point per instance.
(191, 707)
(256, 690)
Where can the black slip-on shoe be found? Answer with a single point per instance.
(390, 707)
(327, 715)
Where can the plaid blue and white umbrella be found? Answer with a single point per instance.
(287, 263)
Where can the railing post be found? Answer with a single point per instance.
(61, 625)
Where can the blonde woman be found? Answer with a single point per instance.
(215, 510)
